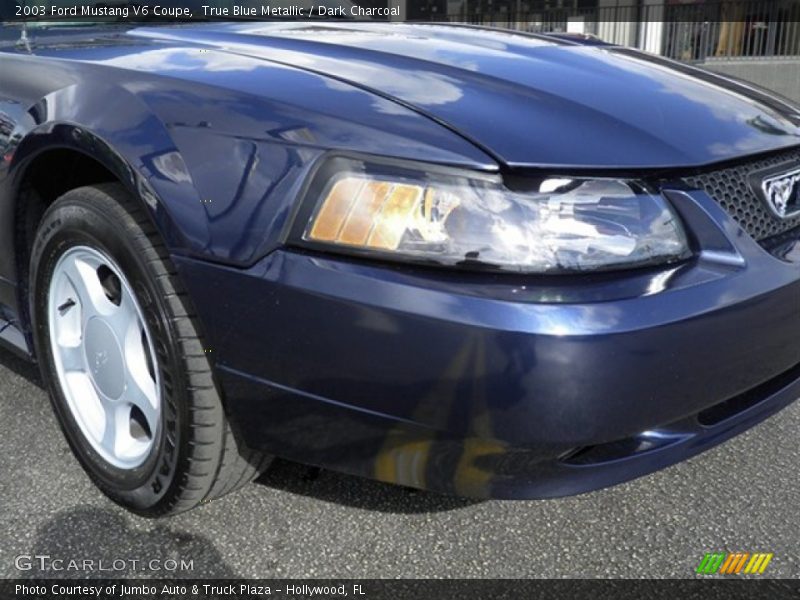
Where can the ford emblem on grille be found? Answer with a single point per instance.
(782, 193)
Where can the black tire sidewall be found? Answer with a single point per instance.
(76, 220)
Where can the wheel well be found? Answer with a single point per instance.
(49, 176)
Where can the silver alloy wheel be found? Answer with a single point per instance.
(104, 357)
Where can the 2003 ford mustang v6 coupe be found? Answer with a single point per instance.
(472, 261)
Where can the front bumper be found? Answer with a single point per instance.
(498, 385)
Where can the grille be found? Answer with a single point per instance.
(730, 188)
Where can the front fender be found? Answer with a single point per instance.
(128, 140)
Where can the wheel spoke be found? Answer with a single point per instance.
(115, 423)
(91, 296)
(86, 403)
(72, 358)
(123, 319)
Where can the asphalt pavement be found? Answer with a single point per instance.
(297, 522)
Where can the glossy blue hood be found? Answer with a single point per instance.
(499, 97)
(528, 101)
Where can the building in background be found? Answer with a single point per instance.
(681, 29)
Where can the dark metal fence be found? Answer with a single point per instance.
(751, 28)
(693, 31)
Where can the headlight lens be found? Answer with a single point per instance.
(562, 224)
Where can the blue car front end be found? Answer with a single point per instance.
(508, 385)
(508, 382)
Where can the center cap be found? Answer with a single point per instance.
(104, 358)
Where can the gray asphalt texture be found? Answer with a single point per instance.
(741, 496)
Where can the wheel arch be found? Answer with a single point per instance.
(52, 160)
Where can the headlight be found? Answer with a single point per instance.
(557, 224)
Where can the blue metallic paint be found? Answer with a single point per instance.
(364, 365)
(474, 383)
(528, 102)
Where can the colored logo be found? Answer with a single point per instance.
(734, 563)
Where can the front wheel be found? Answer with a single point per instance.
(120, 350)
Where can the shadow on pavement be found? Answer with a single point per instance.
(97, 534)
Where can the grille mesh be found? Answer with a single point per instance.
(730, 188)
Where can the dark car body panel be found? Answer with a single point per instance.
(478, 383)
(529, 102)
(415, 380)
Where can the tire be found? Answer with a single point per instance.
(179, 450)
